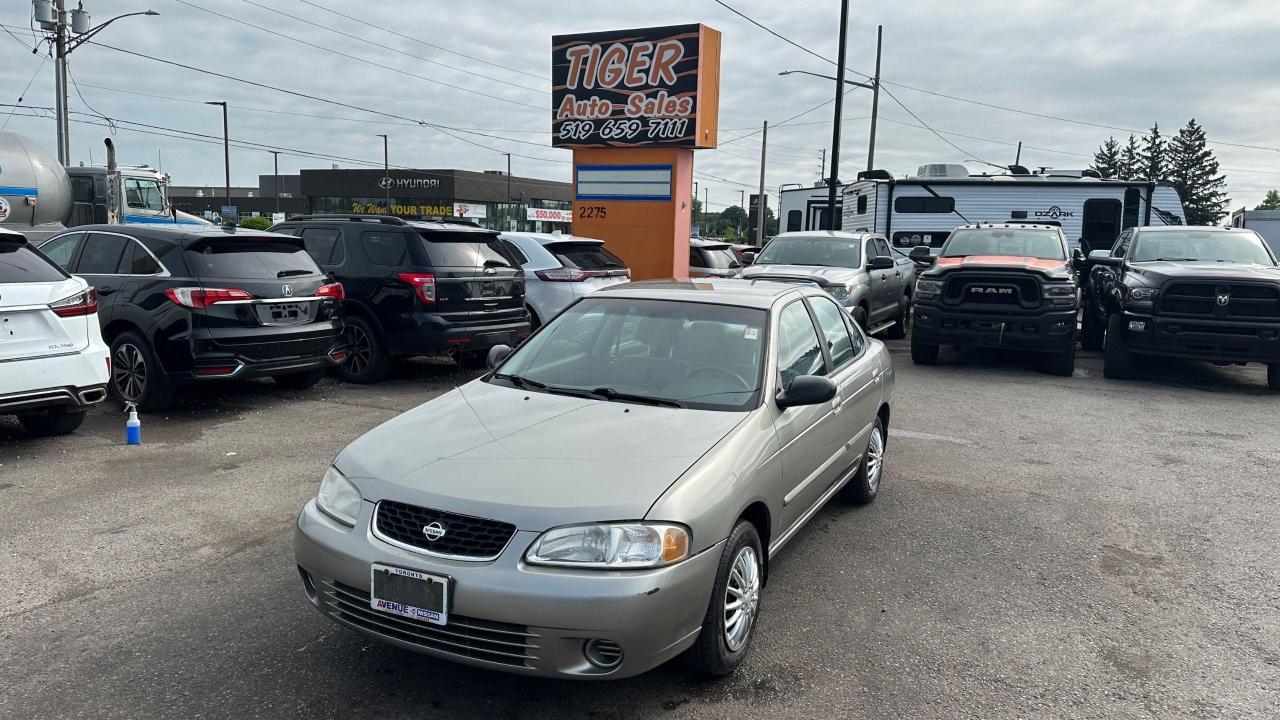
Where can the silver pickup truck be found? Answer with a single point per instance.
(860, 270)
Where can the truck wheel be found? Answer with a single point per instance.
(901, 321)
(1117, 363)
(923, 353)
(1091, 330)
(1273, 376)
(859, 314)
(48, 422)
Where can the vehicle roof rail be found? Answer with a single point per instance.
(384, 219)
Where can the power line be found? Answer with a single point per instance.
(23, 94)
(349, 56)
(395, 50)
(782, 37)
(935, 132)
(421, 42)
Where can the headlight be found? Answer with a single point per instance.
(338, 498)
(840, 292)
(1060, 294)
(928, 288)
(1140, 294)
(612, 546)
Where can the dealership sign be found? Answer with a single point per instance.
(469, 210)
(652, 87)
(548, 215)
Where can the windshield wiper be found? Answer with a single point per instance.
(291, 273)
(520, 382)
(610, 394)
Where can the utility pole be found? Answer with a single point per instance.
(875, 99)
(822, 173)
(742, 203)
(761, 198)
(226, 146)
(833, 184)
(386, 172)
(695, 200)
(1017, 160)
(706, 202)
(275, 170)
(52, 17)
(508, 177)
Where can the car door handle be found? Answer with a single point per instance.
(106, 290)
(837, 405)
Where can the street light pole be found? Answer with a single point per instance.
(226, 146)
(275, 169)
(386, 172)
(875, 101)
(834, 180)
(761, 198)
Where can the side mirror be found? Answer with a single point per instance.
(881, 262)
(921, 254)
(496, 355)
(806, 390)
(1099, 254)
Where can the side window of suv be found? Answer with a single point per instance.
(141, 262)
(387, 249)
(324, 245)
(62, 249)
(103, 254)
(1122, 245)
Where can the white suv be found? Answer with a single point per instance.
(53, 363)
(559, 269)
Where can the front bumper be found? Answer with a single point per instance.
(505, 614)
(1045, 332)
(1213, 340)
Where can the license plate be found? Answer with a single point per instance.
(409, 593)
(284, 313)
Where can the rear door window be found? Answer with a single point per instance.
(839, 341)
(21, 263)
(387, 249)
(882, 247)
(324, 245)
(465, 249)
(102, 254)
(250, 258)
(142, 263)
(586, 256)
(62, 250)
(798, 349)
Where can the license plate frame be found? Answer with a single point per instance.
(402, 595)
(284, 313)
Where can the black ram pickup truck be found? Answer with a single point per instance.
(1008, 285)
(1204, 293)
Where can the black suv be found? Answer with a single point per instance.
(1204, 293)
(416, 288)
(180, 305)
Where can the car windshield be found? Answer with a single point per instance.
(825, 251)
(1017, 242)
(660, 352)
(1223, 246)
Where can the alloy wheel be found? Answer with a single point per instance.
(875, 458)
(359, 350)
(129, 372)
(741, 599)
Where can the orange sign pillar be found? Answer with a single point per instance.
(651, 236)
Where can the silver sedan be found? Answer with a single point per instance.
(609, 496)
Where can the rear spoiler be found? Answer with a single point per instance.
(201, 241)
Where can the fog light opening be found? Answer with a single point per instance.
(1138, 325)
(309, 586)
(604, 654)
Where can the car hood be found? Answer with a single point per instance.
(1158, 272)
(529, 458)
(1055, 269)
(821, 275)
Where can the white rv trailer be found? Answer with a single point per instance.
(923, 210)
(1264, 222)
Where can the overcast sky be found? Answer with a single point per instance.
(1121, 64)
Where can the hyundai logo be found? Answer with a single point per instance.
(386, 182)
(434, 531)
(1224, 299)
(286, 290)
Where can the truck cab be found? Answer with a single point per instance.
(133, 195)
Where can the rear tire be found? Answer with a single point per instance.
(300, 381)
(1092, 331)
(1117, 363)
(534, 322)
(367, 359)
(135, 374)
(718, 652)
(901, 321)
(864, 486)
(48, 422)
(1273, 376)
(923, 353)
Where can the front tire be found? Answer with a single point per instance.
(1273, 376)
(861, 317)
(734, 607)
(367, 360)
(902, 321)
(864, 486)
(300, 381)
(923, 353)
(135, 374)
(48, 422)
(1117, 363)
(1063, 364)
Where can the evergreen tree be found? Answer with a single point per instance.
(1154, 156)
(1130, 161)
(1271, 201)
(1106, 161)
(1193, 170)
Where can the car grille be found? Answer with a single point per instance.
(990, 289)
(467, 537)
(488, 640)
(1244, 301)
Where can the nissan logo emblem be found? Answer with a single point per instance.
(434, 531)
(286, 290)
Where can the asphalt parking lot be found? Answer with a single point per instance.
(1042, 547)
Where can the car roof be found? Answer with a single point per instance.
(706, 244)
(838, 234)
(760, 294)
(441, 226)
(180, 234)
(1010, 226)
(1167, 228)
(551, 238)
